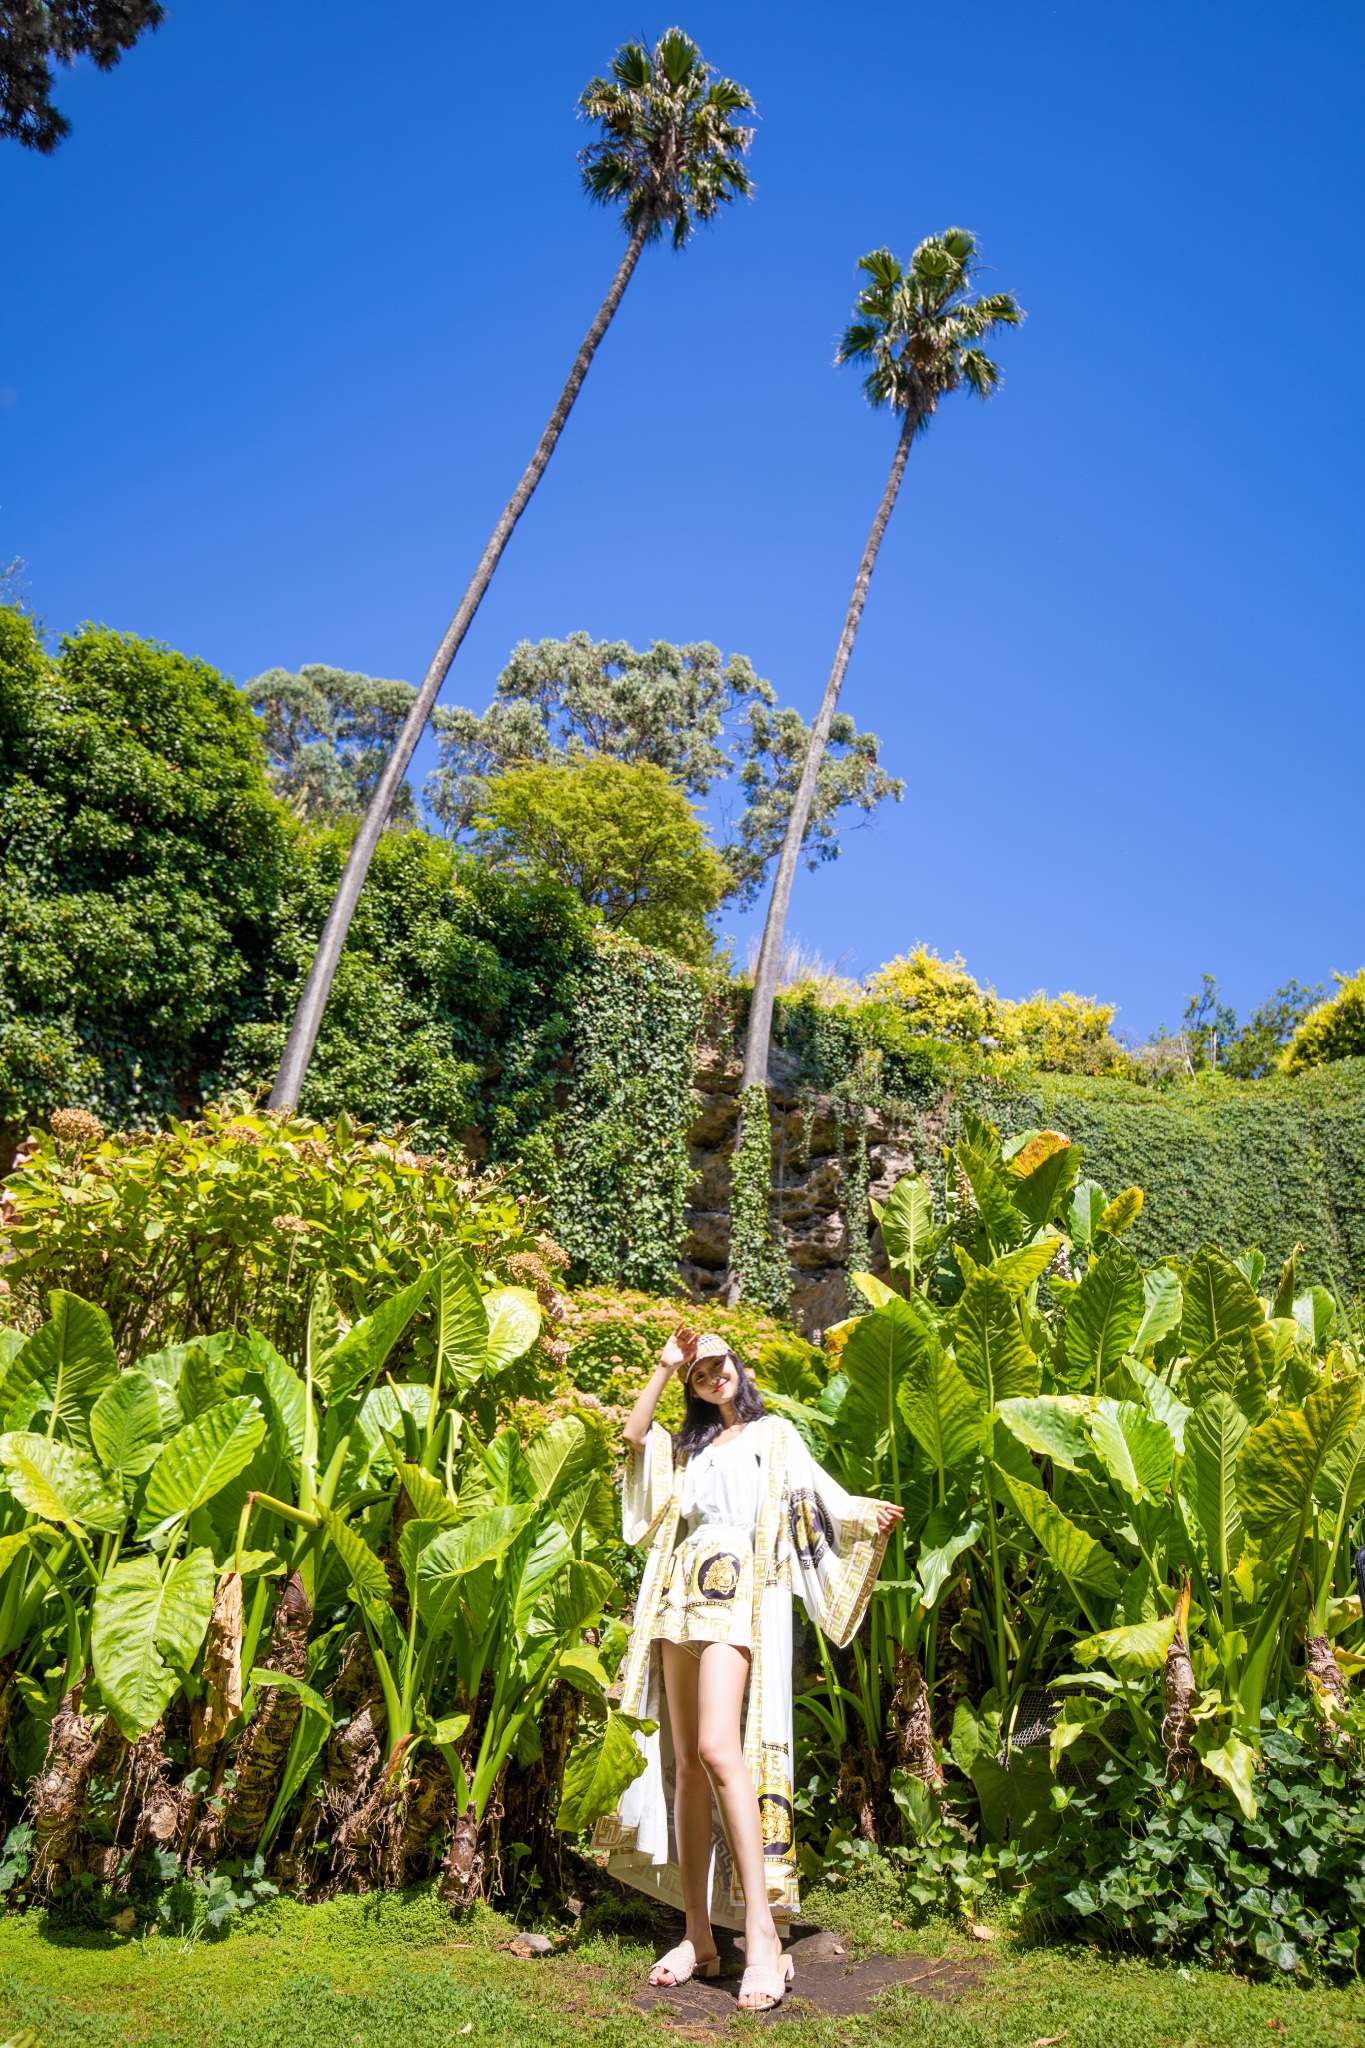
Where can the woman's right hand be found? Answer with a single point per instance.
(677, 1352)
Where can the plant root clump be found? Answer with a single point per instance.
(263, 1748)
(57, 1802)
(911, 1708)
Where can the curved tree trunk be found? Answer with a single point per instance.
(313, 1001)
(760, 1027)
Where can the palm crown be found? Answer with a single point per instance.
(670, 151)
(918, 327)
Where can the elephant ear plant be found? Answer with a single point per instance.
(258, 1607)
(1132, 1495)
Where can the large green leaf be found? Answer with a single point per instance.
(200, 1460)
(906, 1222)
(369, 1580)
(197, 1390)
(1214, 1436)
(125, 1425)
(950, 1530)
(563, 1455)
(430, 1501)
(572, 1601)
(1018, 1270)
(362, 1351)
(60, 1483)
(1341, 1483)
(1052, 1425)
(284, 1394)
(550, 1555)
(1043, 1171)
(461, 1323)
(1161, 1401)
(1131, 1651)
(598, 1773)
(513, 1324)
(876, 1358)
(1086, 1211)
(1078, 1557)
(1232, 1366)
(71, 1358)
(1279, 1464)
(989, 1344)
(142, 1620)
(1135, 1449)
(1105, 1314)
(460, 1550)
(1219, 1301)
(1163, 1303)
(978, 1154)
(941, 1411)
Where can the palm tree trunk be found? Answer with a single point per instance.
(770, 953)
(308, 1016)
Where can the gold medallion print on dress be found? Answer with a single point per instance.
(718, 1576)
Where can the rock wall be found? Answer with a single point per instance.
(808, 1183)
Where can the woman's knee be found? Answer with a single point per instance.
(721, 1756)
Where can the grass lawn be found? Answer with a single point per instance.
(367, 1973)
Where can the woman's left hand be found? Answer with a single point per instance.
(887, 1517)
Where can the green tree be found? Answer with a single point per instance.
(36, 34)
(328, 733)
(918, 330)
(621, 835)
(681, 709)
(140, 861)
(1256, 1049)
(669, 155)
(1335, 1030)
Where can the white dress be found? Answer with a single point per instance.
(709, 1595)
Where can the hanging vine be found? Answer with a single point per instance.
(758, 1251)
(614, 1161)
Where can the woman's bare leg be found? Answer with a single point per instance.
(720, 1700)
(691, 1804)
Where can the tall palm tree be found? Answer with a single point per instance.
(918, 329)
(670, 155)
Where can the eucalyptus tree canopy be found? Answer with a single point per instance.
(668, 155)
(328, 733)
(36, 34)
(684, 710)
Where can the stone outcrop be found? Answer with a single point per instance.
(808, 1182)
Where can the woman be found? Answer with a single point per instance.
(713, 1618)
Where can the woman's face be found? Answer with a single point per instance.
(715, 1379)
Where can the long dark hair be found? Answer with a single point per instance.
(702, 1419)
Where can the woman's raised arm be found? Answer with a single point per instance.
(676, 1353)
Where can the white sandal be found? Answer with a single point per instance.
(767, 1981)
(681, 1970)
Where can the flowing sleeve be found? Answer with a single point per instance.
(836, 1550)
(648, 1486)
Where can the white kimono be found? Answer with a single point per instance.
(805, 1521)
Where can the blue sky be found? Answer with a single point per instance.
(286, 312)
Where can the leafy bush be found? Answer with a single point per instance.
(1335, 1030)
(1180, 1869)
(453, 1003)
(229, 1221)
(140, 861)
(621, 835)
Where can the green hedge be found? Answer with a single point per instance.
(1264, 1163)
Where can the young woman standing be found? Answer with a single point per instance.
(733, 1511)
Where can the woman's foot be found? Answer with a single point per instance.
(688, 1959)
(762, 1953)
